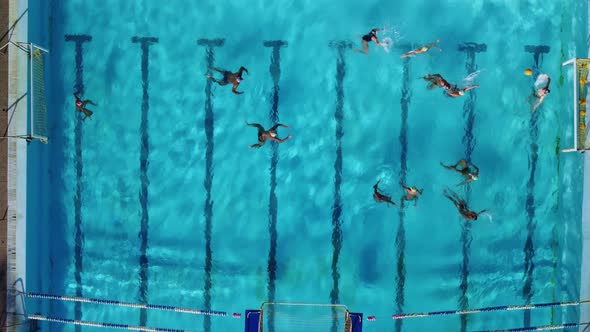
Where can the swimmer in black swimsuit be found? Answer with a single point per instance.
(381, 197)
(436, 81)
(370, 37)
(81, 106)
(229, 78)
(461, 205)
(467, 169)
(264, 135)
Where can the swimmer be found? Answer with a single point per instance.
(264, 135)
(540, 94)
(436, 81)
(455, 92)
(380, 197)
(412, 193)
(468, 170)
(229, 78)
(461, 205)
(423, 49)
(366, 39)
(81, 106)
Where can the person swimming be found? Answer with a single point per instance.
(412, 194)
(380, 197)
(467, 169)
(264, 135)
(366, 39)
(454, 91)
(540, 94)
(81, 106)
(461, 205)
(229, 78)
(422, 49)
(436, 81)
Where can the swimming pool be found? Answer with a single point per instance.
(157, 199)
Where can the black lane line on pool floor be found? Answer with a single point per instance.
(210, 45)
(275, 73)
(341, 47)
(79, 237)
(145, 43)
(400, 236)
(529, 247)
(471, 49)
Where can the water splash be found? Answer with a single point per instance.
(541, 81)
(489, 216)
(386, 43)
(470, 79)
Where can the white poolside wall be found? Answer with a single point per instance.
(17, 165)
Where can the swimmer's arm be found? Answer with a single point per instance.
(280, 140)
(256, 146)
(278, 125)
(482, 211)
(234, 89)
(255, 125)
(88, 101)
(464, 182)
(242, 68)
(539, 101)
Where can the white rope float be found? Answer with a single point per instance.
(126, 304)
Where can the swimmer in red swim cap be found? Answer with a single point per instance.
(81, 106)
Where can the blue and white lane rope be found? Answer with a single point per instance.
(126, 304)
(565, 326)
(489, 309)
(105, 325)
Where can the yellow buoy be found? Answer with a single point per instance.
(528, 72)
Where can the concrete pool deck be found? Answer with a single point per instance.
(3, 160)
(13, 156)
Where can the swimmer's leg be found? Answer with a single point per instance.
(278, 125)
(87, 113)
(450, 167)
(256, 125)
(462, 163)
(365, 47)
(242, 69)
(88, 101)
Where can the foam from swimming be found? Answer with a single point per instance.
(541, 81)
(469, 79)
(489, 216)
(387, 43)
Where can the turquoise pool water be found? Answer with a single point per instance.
(157, 199)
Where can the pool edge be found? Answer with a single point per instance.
(16, 164)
